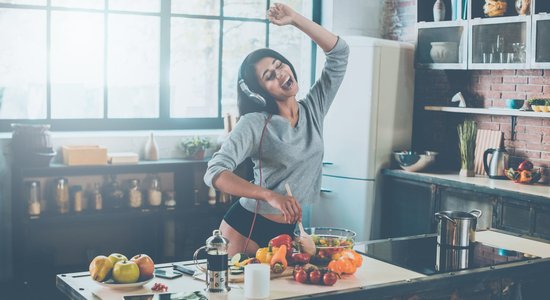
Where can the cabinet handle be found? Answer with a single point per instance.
(325, 190)
(328, 163)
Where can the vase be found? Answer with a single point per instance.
(467, 173)
(439, 11)
(151, 148)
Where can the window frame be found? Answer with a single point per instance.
(164, 121)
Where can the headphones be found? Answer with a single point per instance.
(252, 95)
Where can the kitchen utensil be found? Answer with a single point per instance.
(305, 239)
(124, 286)
(31, 145)
(414, 162)
(456, 228)
(450, 259)
(485, 139)
(328, 241)
(217, 270)
(496, 168)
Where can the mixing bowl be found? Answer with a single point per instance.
(414, 162)
(328, 241)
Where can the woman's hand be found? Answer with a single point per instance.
(292, 212)
(281, 14)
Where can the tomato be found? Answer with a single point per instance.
(301, 276)
(347, 266)
(315, 277)
(336, 266)
(301, 258)
(525, 165)
(357, 259)
(330, 278)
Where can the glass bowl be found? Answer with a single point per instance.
(414, 162)
(328, 241)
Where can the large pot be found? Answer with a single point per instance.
(31, 145)
(456, 228)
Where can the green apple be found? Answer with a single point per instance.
(116, 257)
(126, 272)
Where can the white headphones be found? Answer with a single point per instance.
(253, 95)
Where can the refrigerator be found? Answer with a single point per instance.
(370, 118)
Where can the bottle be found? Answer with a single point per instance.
(151, 148)
(33, 200)
(114, 196)
(77, 199)
(134, 194)
(439, 11)
(212, 196)
(154, 195)
(169, 199)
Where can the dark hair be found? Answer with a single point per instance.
(247, 72)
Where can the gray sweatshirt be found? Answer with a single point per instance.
(292, 155)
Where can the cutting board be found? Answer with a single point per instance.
(485, 139)
(240, 277)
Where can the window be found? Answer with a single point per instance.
(135, 64)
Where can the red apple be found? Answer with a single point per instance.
(145, 264)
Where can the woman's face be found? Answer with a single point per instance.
(276, 78)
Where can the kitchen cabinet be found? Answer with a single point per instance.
(54, 242)
(510, 41)
(411, 200)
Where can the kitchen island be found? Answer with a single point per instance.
(375, 279)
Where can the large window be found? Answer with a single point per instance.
(135, 64)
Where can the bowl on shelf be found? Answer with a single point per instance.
(444, 52)
(514, 103)
(414, 162)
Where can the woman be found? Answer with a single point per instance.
(281, 135)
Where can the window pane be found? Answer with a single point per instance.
(22, 64)
(133, 66)
(32, 2)
(239, 39)
(196, 7)
(77, 65)
(249, 9)
(295, 45)
(194, 68)
(135, 5)
(96, 4)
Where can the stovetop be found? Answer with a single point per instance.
(424, 255)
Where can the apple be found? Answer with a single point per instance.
(116, 257)
(126, 272)
(145, 264)
(100, 268)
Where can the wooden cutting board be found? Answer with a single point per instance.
(485, 139)
(240, 277)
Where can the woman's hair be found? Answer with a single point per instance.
(247, 72)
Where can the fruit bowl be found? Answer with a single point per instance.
(414, 162)
(523, 176)
(328, 242)
(120, 286)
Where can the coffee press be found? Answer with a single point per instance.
(217, 271)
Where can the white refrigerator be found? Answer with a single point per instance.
(370, 118)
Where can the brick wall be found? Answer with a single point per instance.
(482, 88)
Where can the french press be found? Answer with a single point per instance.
(217, 273)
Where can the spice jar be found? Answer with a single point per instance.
(77, 198)
(154, 195)
(212, 196)
(114, 195)
(32, 191)
(169, 199)
(61, 195)
(96, 199)
(134, 194)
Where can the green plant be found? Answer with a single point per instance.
(193, 145)
(537, 101)
(467, 133)
(547, 102)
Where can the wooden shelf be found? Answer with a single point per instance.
(489, 111)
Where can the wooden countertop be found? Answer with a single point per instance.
(534, 192)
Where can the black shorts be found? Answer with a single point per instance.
(264, 229)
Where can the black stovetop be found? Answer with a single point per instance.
(422, 254)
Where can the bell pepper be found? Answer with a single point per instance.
(300, 258)
(525, 176)
(278, 261)
(265, 254)
(283, 239)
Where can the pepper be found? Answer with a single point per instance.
(301, 258)
(278, 261)
(265, 254)
(283, 239)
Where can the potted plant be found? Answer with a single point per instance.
(537, 104)
(467, 133)
(194, 147)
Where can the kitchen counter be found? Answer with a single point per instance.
(375, 278)
(502, 187)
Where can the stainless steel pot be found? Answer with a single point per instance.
(457, 228)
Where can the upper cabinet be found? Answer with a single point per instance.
(483, 34)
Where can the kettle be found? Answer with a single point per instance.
(496, 168)
(217, 275)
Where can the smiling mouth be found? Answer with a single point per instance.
(288, 84)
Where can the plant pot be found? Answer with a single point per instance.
(467, 173)
(537, 108)
(199, 155)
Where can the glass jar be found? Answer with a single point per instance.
(134, 194)
(154, 195)
(114, 195)
(32, 191)
(96, 198)
(169, 199)
(61, 195)
(77, 198)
